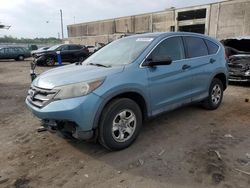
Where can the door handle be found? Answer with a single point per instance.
(212, 60)
(185, 67)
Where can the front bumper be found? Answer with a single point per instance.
(41, 60)
(81, 110)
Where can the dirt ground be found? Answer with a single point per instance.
(187, 148)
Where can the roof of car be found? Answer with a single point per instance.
(166, 34)
(12, 47)
(157, 34)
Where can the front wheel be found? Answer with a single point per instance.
(50, 61)
(215, 95)
(120, 124)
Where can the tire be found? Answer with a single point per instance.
(81, 59)
(215, 95)
(20, 58)
(115, 132)
(50, 61)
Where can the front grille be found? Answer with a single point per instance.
(40, 97)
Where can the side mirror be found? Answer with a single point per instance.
(151, 62)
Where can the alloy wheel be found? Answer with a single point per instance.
(216, 94)
(124, 125)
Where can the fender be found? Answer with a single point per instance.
(219, 70)
(110, 94)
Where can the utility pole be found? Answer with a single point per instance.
(61, 23)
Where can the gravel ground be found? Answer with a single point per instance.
(187, 148)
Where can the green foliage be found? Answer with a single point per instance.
(10, 39)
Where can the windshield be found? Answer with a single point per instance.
(54, 47)
(120, 52)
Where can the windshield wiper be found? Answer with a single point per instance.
(100, 65)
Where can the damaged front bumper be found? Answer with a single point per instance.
(75, 115)
(68, 127)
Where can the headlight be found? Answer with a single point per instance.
(78, 89)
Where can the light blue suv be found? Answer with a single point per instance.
(110, 94)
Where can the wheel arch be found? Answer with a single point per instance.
(20, 55)
(222, 77)
(133, 95)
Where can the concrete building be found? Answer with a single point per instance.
(222, 20)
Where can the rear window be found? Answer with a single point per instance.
(196, 47)
(212, 47)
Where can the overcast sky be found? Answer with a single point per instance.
(41, 18)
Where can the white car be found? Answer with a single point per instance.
(92, 49)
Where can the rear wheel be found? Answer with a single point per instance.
(20, 58)
(215, 95)
(120, 124)
(50, 61)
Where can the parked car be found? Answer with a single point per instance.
(239, 68)
(92, 49)
(132, 79)
(68, 52)
(33, 52)
(17, 53)
(239, 64)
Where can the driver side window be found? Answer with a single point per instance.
(171, 47)
(65, 48)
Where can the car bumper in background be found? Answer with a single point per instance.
(239, 78)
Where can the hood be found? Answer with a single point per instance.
(46, 51)
(70, 74)
(43, 52)
(37, 51)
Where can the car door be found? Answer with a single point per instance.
(9, 53)
(17, 52)
(74, 52)
(169, 86)
(201, 64)
(65, 53)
